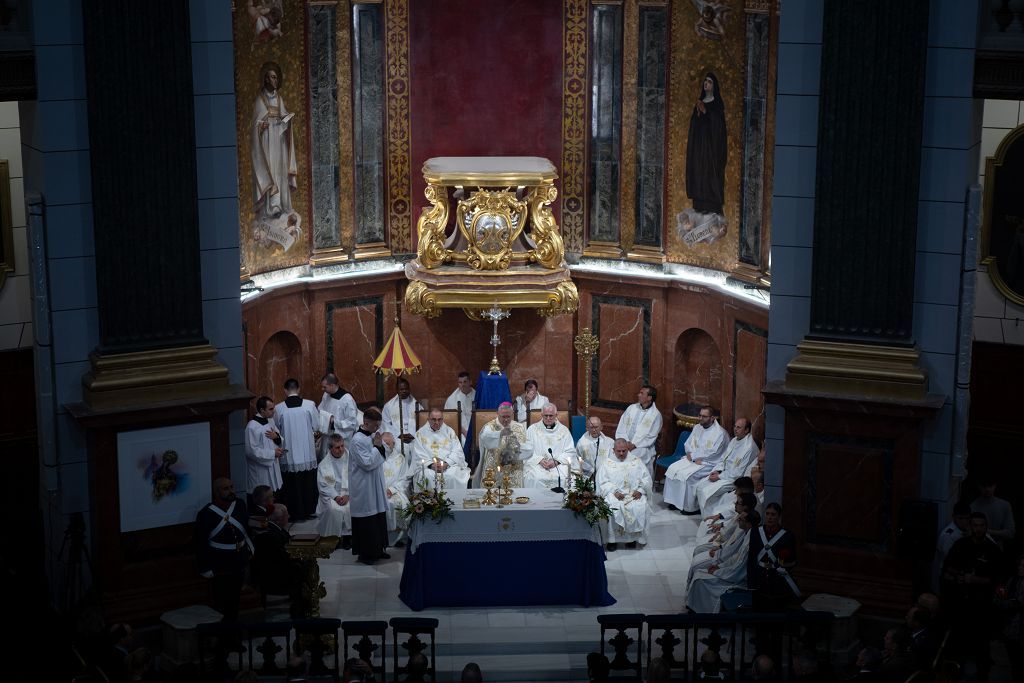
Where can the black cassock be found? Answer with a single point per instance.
(706, 153)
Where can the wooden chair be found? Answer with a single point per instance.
(451, 418)
(481, 418)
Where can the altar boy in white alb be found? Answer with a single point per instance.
(640, 426)
(553, 452)
(704, 449)
(298, 422)
(341, 407)
(437, 448)
(740, 456)
(625, 484)
(263, 447)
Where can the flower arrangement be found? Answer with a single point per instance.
(428, 504)
(583, 500)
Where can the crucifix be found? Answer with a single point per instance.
(494, 314)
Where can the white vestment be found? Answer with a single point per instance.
(641, 428)
(706, 589)
(390, 419)
(443, 445)
(723, 543)
(521, 407)
(706, 445)
(739, 457)
(492, 443)
(260, 457)
(273, 156)
(594, 452)
(396, 481)
(332, 481)
(629, 517)
(555, 443)
(296, 426)
(466, 401)
(345, 414)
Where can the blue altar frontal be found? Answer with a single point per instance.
(532, 554)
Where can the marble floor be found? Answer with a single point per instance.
(522, 644)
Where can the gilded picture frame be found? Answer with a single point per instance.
(6, 227)
(1002, 227)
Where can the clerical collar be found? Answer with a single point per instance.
(647, 408)
(363, 431)
(293, 401)
(551, 427)
(262, 420)
(338, 394)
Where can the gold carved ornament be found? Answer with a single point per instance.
(549, 249)
(431, 226)
(491, 221)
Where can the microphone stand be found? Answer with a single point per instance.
(557, 489)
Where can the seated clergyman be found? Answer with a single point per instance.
(554, 452)
(437, 449)
(625, 484)
(503, 442)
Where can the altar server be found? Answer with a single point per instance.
(437, 449)
(503, 442)
(740, 456)
(553, 452)
(368, 500)
(594, 447)
(462, 399)
(341, 407)
(298, 421)
(400, 422)
(530, 401)
(263, 448)
(640, 426)
(728, 572)
(704, 449)
(332, 481)
(625, 484)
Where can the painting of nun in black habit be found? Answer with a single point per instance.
(706, 149)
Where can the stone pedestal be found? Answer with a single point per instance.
(178, 629)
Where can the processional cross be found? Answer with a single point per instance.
(494, 314)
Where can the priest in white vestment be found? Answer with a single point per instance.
(740, 455)
(727, 572)
(341, 407)
(640, 426)
(625, 484)
(462, 399)
(594, 447)
(333, 511)
(531, 400)
(263, 448)
(437, 449)
(553, 452)
(298, 421)
(704, 449)
(503, 442)
(398, 417)
(396, 482)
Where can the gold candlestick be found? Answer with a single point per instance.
(586, 345)
(488, 482)
(506, 493)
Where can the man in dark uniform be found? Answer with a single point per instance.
(772, 553)
(223, 547)
(972, 567)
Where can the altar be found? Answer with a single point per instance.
(522, 554)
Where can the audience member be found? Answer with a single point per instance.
(659, 671)
(710, 667)
(762, 669)
(998, 512)
(897, 661)
(954, 531)
(356, 670)
(598, 667)
(297, 669)
(416, 669)
(924, 642)
(869, 665)
(471, 673)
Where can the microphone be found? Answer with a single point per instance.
(557, 489)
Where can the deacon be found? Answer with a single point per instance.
(437, 449)
(462, 399)
(298, 421)
(704, 449)
(553, 452)
(396, 481)
(399, 414)
(594, 447)
(263, 448)
(341, 407)
(334, 510)
(625, 484)
(503, 443)
(223, 547)
(640, 426)
(368, 501)
(529, 401)
(739, 458)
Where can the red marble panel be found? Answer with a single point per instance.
(354, 344)
(844, 474)
(750, 367)
(698, 365)
(280, 359)
(620, 358)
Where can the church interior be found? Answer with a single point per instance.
(800, 214)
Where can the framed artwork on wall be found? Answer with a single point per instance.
(163, 475)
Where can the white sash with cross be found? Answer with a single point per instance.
(225, 519)
(767, 551)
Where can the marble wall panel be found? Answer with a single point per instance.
(851, 470)
(751, 350)
(354, 335)
(279, 359)
(623, 326)
(698, 363)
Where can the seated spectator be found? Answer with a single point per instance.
(659, 671)
(471, 673)
(356, 670)
(710, 667)
(297, 670)
(272, 569)
(416, 670)
(727, 572)
(998, 512)
(869, 665)
(762, 669)
(897, 661)
(805, 668)
(598, 667)
(924, 642)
